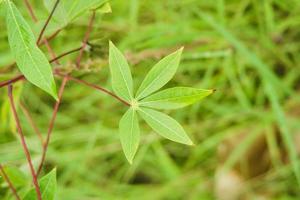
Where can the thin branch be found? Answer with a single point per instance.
(10, 184)
(51, 125)
(99, 88)
(47, 22)
(65, 54)
(31, 122)
(21, 77)
(13, 80)
(86, 38)
(23, 142)
(29, 7)
(50, 50)
(53, 35)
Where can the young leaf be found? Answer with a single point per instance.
(160, 74)
(165, 125)
(120, 73)
(174, 98)
(47, 185)
(129, 134)
(29, 58)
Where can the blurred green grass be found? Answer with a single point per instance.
(248, 50)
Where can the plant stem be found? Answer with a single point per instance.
(21, 77)
(29, 7)
(65, 54)
(47, 22)
(13, 80)
(51, 125)
(10, 185)
(86, 38)
(99, 88)
(23, 142)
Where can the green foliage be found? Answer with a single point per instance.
(120, 73)
(47, 185)
(129, 133)
(173, 98)
(29, 58)
(159, 75)
(165, 125)
(67, 11)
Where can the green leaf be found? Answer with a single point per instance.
(129, 134)
(16, 176)
(174, 98)
(160, 74)
(120, 73)
(29, 58)
(67, 10)
(78, 7)
(165, 125)
(47, 185)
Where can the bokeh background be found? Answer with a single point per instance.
(246, 135)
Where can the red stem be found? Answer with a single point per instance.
(65, 54)
(10, 185)
(50, 50)
(23, 142)
(99, 88)
(29, 7)
(47, 22)
(21, 77)
(51, 125)
(86, 38)
(13, 80)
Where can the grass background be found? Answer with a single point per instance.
(246, 49)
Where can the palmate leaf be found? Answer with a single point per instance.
(165, 125)
(129, 133)
(159, 75)
(47, 185)
(29, 58)
(120, 73)
(173, 98)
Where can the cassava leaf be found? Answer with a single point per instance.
(29, 58)
(160, 74)
(129, 134)
(77, 7)
(164, 125)
(47, 185)
(173, 98)
(120, 73)
(68, 10)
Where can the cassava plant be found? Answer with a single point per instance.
(37, 70)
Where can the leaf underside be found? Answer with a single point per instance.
(173, 98)
(159, 75)
(164, 125)
(29, 58)
(48, 185)
(129, 134)
(120, 73)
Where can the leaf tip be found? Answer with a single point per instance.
(111, 44)
(181, 49)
